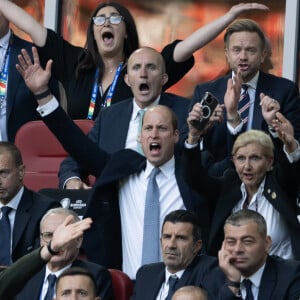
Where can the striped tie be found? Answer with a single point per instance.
(244, 104)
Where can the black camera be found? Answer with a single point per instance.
(209, 102)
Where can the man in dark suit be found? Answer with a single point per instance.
(13, 278)
(38, 286)
(249, 269)
(116, 127)
(18, 104)
(181, 243)
(119, 194)
(245, 51)
(26, 207)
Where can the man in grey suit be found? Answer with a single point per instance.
(116, 127)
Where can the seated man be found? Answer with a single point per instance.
(250, 271)
(15, 277)
(76, 282)
(182, 264)
(21, 209)
(190, 292)
(41, 285)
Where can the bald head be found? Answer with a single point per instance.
(190, 292)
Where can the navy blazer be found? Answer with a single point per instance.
(111, 128)
(33, 288)
(203, 272)
(21, 103)
(102, 242)
(223, 193)
(283, 90)
(26, 230)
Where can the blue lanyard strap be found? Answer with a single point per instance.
(107, 101)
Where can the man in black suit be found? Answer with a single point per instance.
(17, 103)
(117, 203)
(180, 243)
(245, 51)
(244, 256)
(116, 127)
(26, 207)
(38, 285)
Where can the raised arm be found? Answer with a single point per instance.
(207, 33)
(24, 22)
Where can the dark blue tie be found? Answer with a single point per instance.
(244, 104)
(172, 283)
(5, 237)
(247, 283)
(150, 253)
(51, 284)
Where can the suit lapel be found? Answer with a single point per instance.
(154, 286)
(22, 217)
(268, 281)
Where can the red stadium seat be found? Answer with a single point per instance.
(42, 153)
(122, 285)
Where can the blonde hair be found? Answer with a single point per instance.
(254, 137)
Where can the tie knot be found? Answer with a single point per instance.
(6, 210)
(141, 113)
(154, 172)
(247, 283)
(245, 87)
(51, 280)
(172, 281)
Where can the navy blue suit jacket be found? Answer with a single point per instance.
(102, 242)
(21, 103)
(33, 288)
(26, 231)
(283, 90)
(111, 128)
(202, 272)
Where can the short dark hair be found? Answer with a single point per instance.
(14, 152)
(185, 216)
(243, 216)
(174, 119)
(73, 271)
(247, 25)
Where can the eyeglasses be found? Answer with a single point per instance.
(47, 236)
(114, 20)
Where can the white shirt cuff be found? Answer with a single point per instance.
(294, 156)
(48, 108)
(236, 130)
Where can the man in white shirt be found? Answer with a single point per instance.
(118, 200)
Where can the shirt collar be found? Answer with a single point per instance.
(57, 273)
(256, 277)
(4, 41)
(258, 194)
(168, 274)
(251, 83)
(167, 169)
(136, 108)
(14, 202)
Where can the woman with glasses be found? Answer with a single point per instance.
(93, 76)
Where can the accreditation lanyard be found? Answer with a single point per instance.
(107, 101)
(3, 76)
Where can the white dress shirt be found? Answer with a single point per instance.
(132, 196)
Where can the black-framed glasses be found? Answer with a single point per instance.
(113, 19)
(47, 236)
